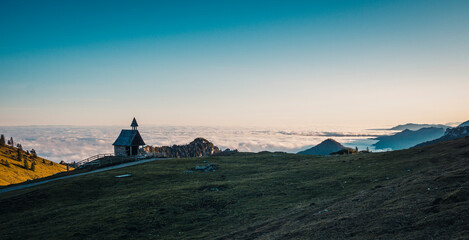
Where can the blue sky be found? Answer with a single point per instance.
(234, 63)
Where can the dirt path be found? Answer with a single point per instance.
(13, 188)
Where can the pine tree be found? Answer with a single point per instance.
(33, 166)
(19, 146)
(11, 142)
(26, 166)
(20, 157)
(2, 140)
(33, 152)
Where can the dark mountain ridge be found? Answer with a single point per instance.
(408, 138)
(464, 124)
(450, 134)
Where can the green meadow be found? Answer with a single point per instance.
(417, 193)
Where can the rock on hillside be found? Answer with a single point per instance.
(450, 134)
(327, 147)
(198, 148)
(408, 138)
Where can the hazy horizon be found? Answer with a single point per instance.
(322, 126)
(75, 143)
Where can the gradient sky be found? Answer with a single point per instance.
(234, 63)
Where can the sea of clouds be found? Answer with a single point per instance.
(74, 143)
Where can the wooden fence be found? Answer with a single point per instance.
(92, 158)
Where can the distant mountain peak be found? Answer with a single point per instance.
(408, 138)
(326, 147)
(417, 126)
(329, 140)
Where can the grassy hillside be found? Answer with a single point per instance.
(14, 171)
(408, 194)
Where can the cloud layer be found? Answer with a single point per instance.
(71, 143)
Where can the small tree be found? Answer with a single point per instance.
(2, 140)
(5, 162)
(26, 165)
(19, 146)
(33, 152)
(20, 157)
(12, 143)
(33, 166)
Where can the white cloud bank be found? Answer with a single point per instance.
(71, 143)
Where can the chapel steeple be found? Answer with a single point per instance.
(134, 125)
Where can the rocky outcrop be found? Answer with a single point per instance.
(198, 148)
(450, 134)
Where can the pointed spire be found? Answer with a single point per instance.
(134, 124)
